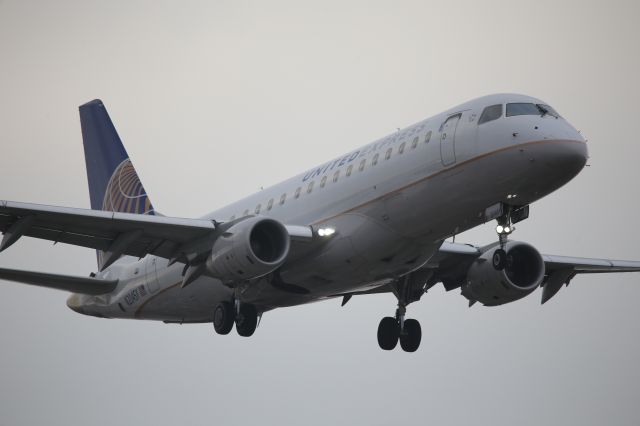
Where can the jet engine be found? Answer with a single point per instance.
(250, 249)
(524, 271)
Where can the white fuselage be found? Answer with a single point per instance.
(391, 202)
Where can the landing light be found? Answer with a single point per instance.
(506, 229)
(326, 232)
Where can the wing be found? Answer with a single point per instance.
(452, 261)
(116, 233)
(449, 266)
(99, 230)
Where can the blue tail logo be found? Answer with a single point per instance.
(125, 193)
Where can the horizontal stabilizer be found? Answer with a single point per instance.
(83, 285)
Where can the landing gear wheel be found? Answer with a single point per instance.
(223, 317)
(499, 259)
(247, 320)
(388, 333)
(411, 336)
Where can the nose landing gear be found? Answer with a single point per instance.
(504, 229)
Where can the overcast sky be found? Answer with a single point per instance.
(215, 99)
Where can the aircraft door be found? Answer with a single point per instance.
(151, 274)
(448, 140)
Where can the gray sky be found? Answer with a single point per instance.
(214, 99)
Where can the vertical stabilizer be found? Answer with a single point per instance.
(114, 184)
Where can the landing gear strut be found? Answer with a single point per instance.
(407, 331)
(244, 315)
(504, 228)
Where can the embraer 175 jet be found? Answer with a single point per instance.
(374, 220)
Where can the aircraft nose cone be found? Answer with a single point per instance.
(574, 154)
(562, 160)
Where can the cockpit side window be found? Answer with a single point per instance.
(490, 113)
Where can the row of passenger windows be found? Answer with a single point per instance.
(336, 176)
(493, 112)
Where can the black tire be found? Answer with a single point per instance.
(410, 339)
(247, 320)
(499, 259)
(223, 317)
(388, 333)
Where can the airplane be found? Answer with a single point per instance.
(374, 220)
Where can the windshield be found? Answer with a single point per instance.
(548, 110)
(522, 108)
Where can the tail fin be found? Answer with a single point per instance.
(114, 184)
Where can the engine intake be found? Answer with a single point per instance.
(523, 273)
(249, 249)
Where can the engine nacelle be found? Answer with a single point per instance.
(250, 249)
(524, 272)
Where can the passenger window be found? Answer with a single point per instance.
(427, 138)
(522, 109)
(375, 159)
(283, 198)
(297, 194)
(310, 187)
(401, 149)
(388, 154)
(362, 164)
(270, 204)
(336, 175)
(257, 210)
(323, 181)
(414, 143)
(349, 169)
(490, 113)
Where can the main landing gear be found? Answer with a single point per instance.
(244, 315)
(407, 331)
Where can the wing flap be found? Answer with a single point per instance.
(84, 285)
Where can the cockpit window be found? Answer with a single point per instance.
(490, 113)
(530, 109)
(522, 109)
(546, 109)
